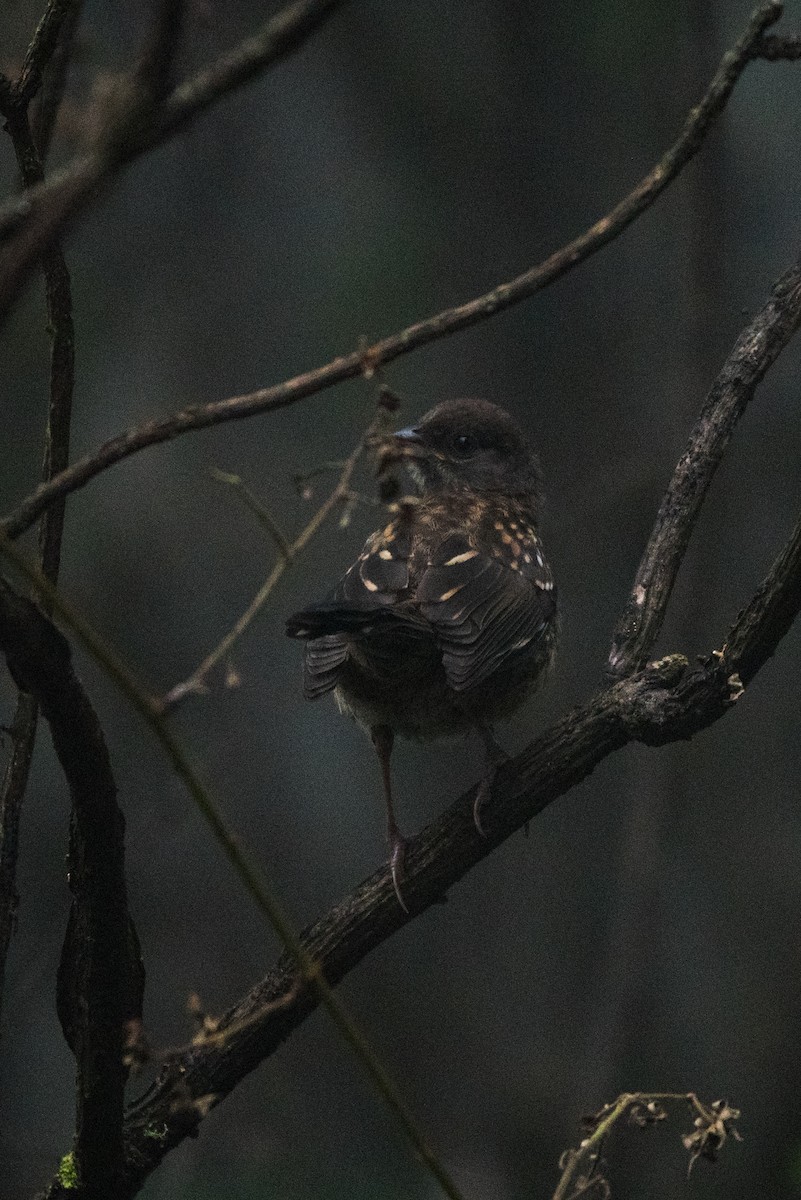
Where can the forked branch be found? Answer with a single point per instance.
(756, 349)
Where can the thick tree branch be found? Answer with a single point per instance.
(756, 349)
(100, 993)
(80, 177)
(659, 704)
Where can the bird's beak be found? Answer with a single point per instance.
(408, 437)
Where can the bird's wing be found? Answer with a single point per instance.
(487, 607)
(381, 572)
(361, 606)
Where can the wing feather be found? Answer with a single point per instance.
(486, 614)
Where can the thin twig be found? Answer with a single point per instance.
(757, 347)
(262, 514)
(317, 988)
(582, 1173)
(349, 366)
(196, 683)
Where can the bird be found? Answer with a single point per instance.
(447, 620)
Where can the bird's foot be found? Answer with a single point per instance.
(482, 796)
(397, 855)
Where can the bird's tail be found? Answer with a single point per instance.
(331, 617)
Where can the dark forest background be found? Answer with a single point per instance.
(646, 934)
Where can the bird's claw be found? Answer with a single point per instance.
(397, 854)
(482, 796)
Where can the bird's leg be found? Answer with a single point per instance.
(383, 738)
(494, 757)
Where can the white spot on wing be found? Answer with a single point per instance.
(371, 587)
(460, 558)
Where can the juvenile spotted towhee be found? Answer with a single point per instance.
(447, 619)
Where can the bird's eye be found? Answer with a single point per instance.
(463, 445)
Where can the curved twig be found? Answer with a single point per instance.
(450, 321)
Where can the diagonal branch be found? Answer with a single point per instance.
(657, 705)
(757, 347)
(349, 366)
(103, 987)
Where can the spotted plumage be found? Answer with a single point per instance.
(447, 619)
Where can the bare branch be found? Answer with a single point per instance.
(658, 705)
(100, 988)
(763, 623)
(582, 1168)
(196, 683)
(349, 366)
(260, 512)
(277, 38)
(41, 50)
(756, 349)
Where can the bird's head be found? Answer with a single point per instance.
(470, 444)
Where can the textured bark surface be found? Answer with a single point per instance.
(100, 983)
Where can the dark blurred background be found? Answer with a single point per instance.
(646, 935)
